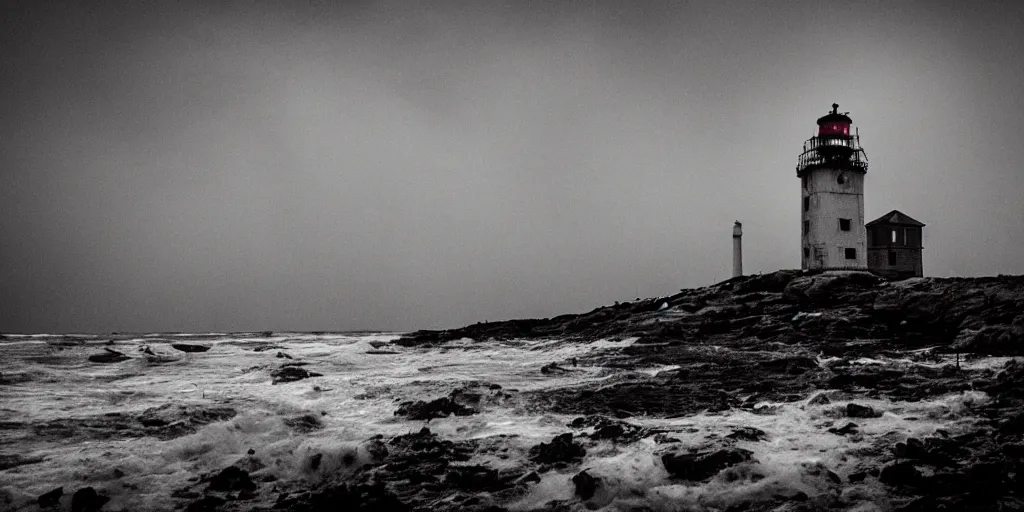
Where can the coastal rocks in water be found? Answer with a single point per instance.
(169, 420)
(87, 499)
(586, 484)
(357, 498)
(304, 423)
(900, 474)
(861, 411)
(110, 356)
(440, 408)
(703, 465)
(609, 429)
(231, 478)
(849, 428)
(291, 372)
(282, 355)
(560, 449)
(50, 499)
(205, 504)
(748, 434)
(189, 347)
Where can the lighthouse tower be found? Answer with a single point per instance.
(831, 171)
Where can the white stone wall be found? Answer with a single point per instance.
(829, 202)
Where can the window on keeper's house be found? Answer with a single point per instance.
(844, 224)
(807, 203)
(807, 252)
(892, 257)
(851, 253)
(807, 227)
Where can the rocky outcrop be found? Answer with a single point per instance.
(983, 315)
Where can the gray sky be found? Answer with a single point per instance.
(401, 165)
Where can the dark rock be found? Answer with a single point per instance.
(586, 484)
(355, 498)
(189, 347)
(291, 373)
(531, 477)
(87, 499)
(110, 356)
(231, 478)
(857, 477)
(304, 423)
(819, 399)
(849, 428)
(560, 449)
(703, 465)
(282, 355)
(251, 452)
(900, 474)
(50, 499)
(860, 411)
(440, 408)
(314, 461)
(748, 434)
(474, 478)
(207, 503)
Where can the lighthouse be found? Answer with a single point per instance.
(831, 171)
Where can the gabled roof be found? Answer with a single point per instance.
(895, 217)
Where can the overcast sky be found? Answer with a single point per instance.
(403, 165)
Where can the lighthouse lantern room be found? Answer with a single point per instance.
(831, 171)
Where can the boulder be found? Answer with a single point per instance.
(586, 484)
(110, 356)
(703, 465)
(291, 373)
(87, 499)
(51, 498)
(189, 347)
(861, 411)
(440, 408)
(560, 449)
(231, 478)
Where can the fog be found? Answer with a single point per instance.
(401, 165)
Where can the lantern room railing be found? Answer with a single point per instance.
(841, 151)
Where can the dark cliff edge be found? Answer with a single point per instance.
(983, 315)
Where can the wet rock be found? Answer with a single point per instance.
(703, 465)
(87, 499)
(355, 498)
(440, 408)
(586, 484)
(169, 421)
(861, 411)
(231, 478)
(900, 474)
(820, 399)
(305, 423)
(528, 478)
(51, 498)
(189, 347)
(748, 434)
(849, 428)
(282, 355)
(110, 356)
(314, 461)
(205, 504)
(857, 477)
(291, 373)
(474, 478)
(560, 449)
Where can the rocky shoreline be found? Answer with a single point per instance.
(851, 352)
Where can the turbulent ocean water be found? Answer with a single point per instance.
(144, 430)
